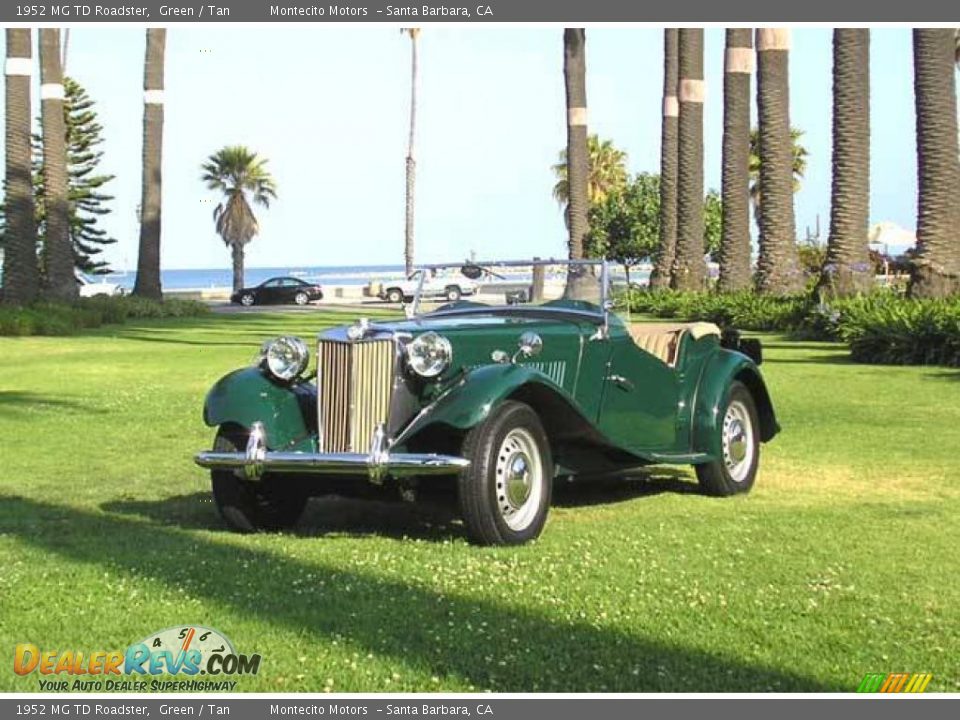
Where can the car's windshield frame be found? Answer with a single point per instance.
(415, 308)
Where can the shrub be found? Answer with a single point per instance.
(46, 318)
(744, 310)
(882, 327)
(885, 328)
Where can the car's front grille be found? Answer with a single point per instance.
(355, 384)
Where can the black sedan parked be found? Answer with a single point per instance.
(282, 290)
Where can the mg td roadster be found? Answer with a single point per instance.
(489, 399)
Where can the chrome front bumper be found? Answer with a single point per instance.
(377, 464)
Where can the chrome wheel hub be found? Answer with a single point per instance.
(738, 441)
(519, 479)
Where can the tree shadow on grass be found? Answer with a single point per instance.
(18, 400)
(439, 633)
(824, 358)
(168, 340)
(945, 375)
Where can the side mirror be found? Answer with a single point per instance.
(530, 344)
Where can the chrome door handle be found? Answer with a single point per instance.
(621, 382)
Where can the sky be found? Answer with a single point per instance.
(328, 107)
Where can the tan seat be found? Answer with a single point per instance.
(662, 340)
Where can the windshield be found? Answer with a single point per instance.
(475, 286)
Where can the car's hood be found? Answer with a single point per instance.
(475, 337)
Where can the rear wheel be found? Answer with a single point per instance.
(394, 295)
(505, 493)
(453, 293)
(248, 506)
(246, 299)
(736, 469)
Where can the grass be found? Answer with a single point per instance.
(842, 561)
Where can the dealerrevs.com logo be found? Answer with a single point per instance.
(185, 652)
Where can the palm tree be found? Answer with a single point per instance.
(689, 267)
(778, 266)
(660, 277)
(607, 172)
(60, 282)
(846, 269)
(239, 174)
(936, 268)
(21, 278)
(411, 144)
(578, 159)
(148, 260)
(735, 229)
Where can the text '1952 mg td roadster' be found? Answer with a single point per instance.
(489, 399)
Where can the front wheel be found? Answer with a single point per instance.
(453, 293)
(248, 506)
(301, 298)
(736, 469)
(505, 494)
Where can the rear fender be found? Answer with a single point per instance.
(719, 372)
(246, 396)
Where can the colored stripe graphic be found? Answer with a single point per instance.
(894, 682)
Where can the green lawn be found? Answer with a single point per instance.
(843, 561)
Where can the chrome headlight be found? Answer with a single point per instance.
(286, 357)
(429, 354)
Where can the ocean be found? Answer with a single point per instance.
(223, 277)
(320, 274)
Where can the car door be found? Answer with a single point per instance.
(639, 408)
(289, 287)
(269, 292)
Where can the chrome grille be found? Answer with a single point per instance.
(355, 385)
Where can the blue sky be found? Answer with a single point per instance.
(328, 107)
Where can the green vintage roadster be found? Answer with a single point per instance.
(489, 399)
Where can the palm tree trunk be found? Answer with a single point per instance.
(578, 162)
(236, 251)
(936, 269)
(847, 270)
(148, 261)
(778, 266)
(578, 156)
(735, 194)
(660, 277)
(61, 283)
(689, 271)
(21, 278)
(411, 167)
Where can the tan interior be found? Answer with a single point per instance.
(662, 340)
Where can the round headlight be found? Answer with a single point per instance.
(286, 357)
(429, 354)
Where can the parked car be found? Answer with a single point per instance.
(434, 285)
(90, 287)
(487, 403)
(279, 290)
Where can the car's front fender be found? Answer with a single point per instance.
(719, 371)
(246, 396)
(469, 401)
